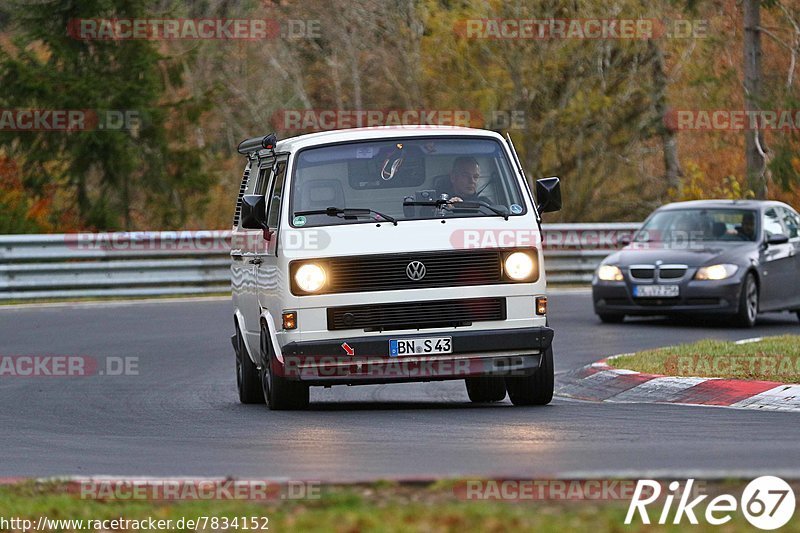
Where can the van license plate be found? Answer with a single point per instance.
(429, 346)
(656, 291)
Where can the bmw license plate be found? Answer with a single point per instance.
(656, 291)
(428, 346)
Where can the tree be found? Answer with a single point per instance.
(755, 148)
(111, 173)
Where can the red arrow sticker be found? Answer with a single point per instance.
(348, 349)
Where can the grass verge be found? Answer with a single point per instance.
(382, 506)
(769, 359)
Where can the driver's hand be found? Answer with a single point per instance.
(455, 199)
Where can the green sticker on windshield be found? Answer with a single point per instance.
(299, 221)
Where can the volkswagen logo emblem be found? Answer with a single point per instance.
(415, 270)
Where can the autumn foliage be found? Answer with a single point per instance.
(594, 112)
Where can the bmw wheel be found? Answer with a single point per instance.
(748, 303)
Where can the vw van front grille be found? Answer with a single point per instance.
(413, 315)
(391, 272)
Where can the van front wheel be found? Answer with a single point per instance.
(281, 394)
(536, 389)
(247, 378)
(482, 390)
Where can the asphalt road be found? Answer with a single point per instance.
(180, 417)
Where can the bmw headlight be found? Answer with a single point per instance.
(716, 272)
(519, 266)
(609, 273)
(310, 277)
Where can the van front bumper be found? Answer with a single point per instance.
(512, 352)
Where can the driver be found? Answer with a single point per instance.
(747, 230)
(464, 181)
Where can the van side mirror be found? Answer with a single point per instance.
(548, 194)
(778, 238)
(254, 211)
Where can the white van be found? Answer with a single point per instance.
(392, 254)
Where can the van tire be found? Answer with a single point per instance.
(280, 393)
(485, 389)
(248, 381)
(610, 318)
(536, 389)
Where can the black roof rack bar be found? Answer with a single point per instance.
(258, 143)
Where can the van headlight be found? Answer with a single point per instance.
(519, 266)
(716, 272)
(609, 273)
(310, 277)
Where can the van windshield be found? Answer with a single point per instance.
(403, 179)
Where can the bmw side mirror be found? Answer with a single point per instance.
(778, 238)
(548, 194)
(254, 212)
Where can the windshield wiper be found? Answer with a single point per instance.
(458, 206)
(346, 213)
(473, 206)
(427, 203)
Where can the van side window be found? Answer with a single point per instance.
(274, 205)
(263, 178)
(245, 177)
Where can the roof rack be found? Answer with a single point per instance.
(256, 144)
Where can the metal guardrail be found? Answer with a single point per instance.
(196, 262)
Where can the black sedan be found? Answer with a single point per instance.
(724, 257)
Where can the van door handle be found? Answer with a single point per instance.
(256, 261)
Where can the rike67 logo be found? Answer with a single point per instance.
(767, 502)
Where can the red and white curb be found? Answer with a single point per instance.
(601, 382)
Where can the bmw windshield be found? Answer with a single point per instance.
(403, 179)
(675, 226)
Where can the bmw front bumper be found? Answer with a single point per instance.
(700, 297)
